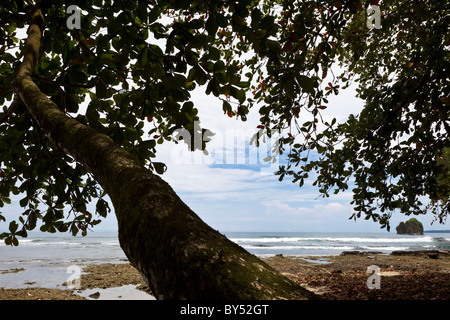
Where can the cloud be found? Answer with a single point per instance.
(317, 210)
(232, 190)
(218, 184)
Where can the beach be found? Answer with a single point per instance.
(403, 275)
(107, 281)
(333, 265)
(420, 275)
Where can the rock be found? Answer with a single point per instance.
(412, 226)
(95, 295)
(338, 271)
(15, 270)
(359, 253)
(416, 252)
(349, 253)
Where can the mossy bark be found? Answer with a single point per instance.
(179, 256)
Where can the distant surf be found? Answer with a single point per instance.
(301, 244)
(45, 258)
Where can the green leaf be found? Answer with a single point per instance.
(45, 63)
(199, 75)
(92, 110)
(219, 66)
(107, 58)
(101, 90)
(141, 11)
(306, 83)
(22, 233)
(211, 25)
(71, 103)
(13, 226)
(267, 23)
(244, 84)
(226, 106)
(214, 53)
(32, 219)
(290, 88)
(102, 208)
(196, 24)
(24, 202)
(143, 56)
(160, 167)
(238, 94)
(77, 76)
(222, 21)
(154, 14)
(256, 17)
(213, 86)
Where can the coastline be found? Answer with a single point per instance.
(406, 275)
(104, 281)
(410, 275)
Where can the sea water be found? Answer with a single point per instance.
(334, 243)
(46, 258)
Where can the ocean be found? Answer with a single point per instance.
(334, 243)
(47, 258)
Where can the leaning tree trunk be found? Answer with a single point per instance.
(178, 255)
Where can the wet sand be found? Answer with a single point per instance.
(402, 276)
(98, 282)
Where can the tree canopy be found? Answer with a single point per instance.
(137, 62)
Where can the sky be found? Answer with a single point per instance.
(233, 195)
(232, 189)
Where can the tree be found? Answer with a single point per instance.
(392, 151)
(46, 153)
(134, 62)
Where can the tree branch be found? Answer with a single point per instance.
(177, 253)
(6, 19)
(31, 49)
(10, 110)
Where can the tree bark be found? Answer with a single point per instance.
(178, 255)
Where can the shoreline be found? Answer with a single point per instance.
(406, 275)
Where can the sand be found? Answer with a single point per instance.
(98, 282)
(407, 276)
(402, 276)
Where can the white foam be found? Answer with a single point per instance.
(330, 239)
(269, 239)
(339, 248)
(111, 243)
